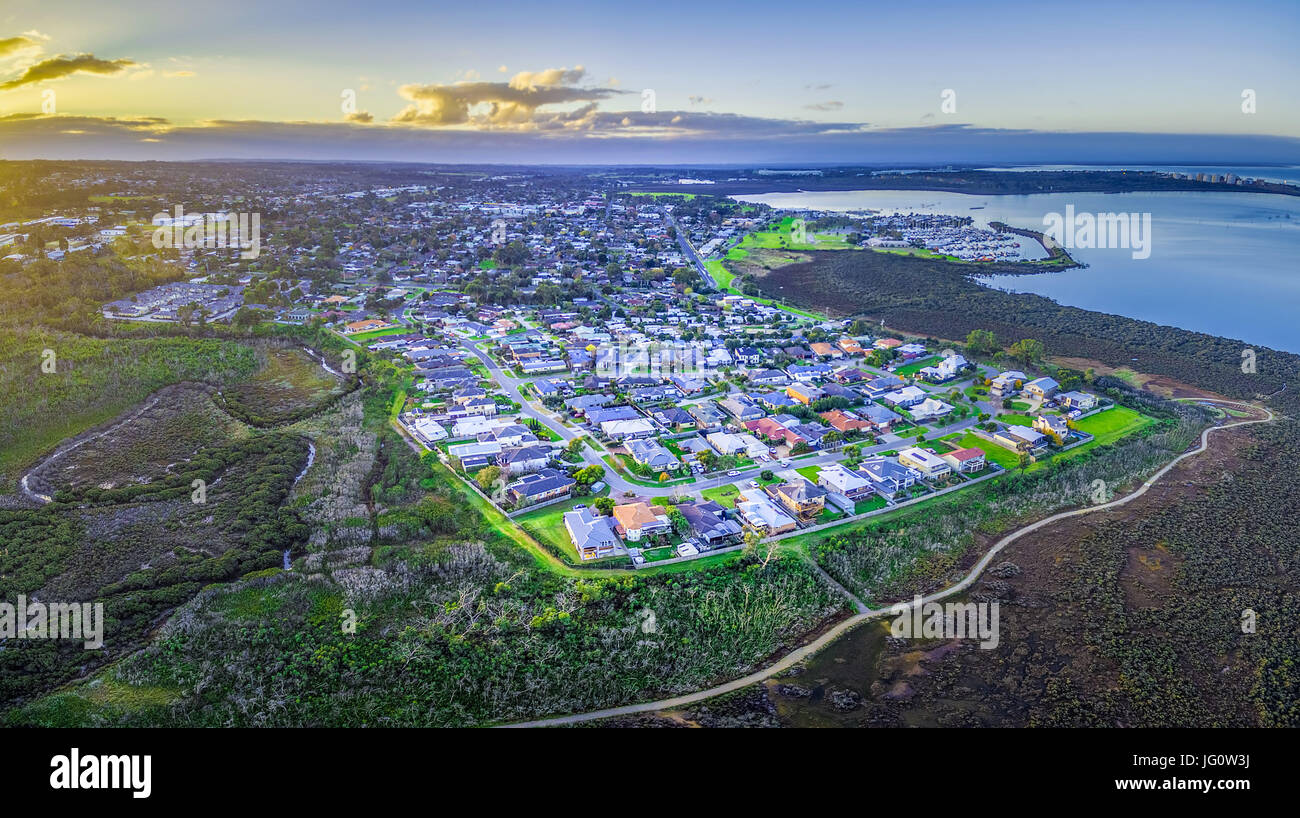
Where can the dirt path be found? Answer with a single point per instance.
(799, 654)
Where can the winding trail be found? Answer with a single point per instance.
(801, 653)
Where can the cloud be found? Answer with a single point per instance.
(360, 116)
(832, 105)
(178, 74)
(532, 80)
(12, 45)
(63, 66)
(698, 100)
(512, 105)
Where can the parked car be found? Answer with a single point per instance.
(753, 484)
(786, 462)
(733, 473)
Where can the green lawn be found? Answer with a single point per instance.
(992, 452)
(870, 504)
(724, 495)
(1112, 424)
(1016, 420)
(810, 472)
(362, 337)
(916, 366)
(547, 524)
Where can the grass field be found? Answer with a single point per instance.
(547, 524)
(363, 337)
(992, 452)
(916, 366)
(810, 472)
(1112, 424)
(782, 239)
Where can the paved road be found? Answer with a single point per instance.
(689, 250)
(618, 484)
(798, 655)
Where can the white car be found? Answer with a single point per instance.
(733, 473)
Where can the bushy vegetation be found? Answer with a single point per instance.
(463, 639)
(94, 380)
(917, 549)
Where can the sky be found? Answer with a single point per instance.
(655, 83)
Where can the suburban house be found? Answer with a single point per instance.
(652, 455)
(801, 498)
(849, 346)
(887, 343)
(709, 523)
(592, 535)
(840, 480)
(706, 416)
(965, 461)
(486, 407)
(762, 515)
(824, 351)
(845, 421)
(1021, 439)
(747, 356)
(741, 407)
(1004, 385)
(927, 463)
(929, 409)
(674, 418)
(769, 377)
(883, 418)
(911, 351)
(633, 521)
(879, 387)
(1081, 401)
(805, 393)
(725, 443)
(547, 484)
(773, 430)
(887, 475)
(1052, 425)
(625, 429)
(524, 459)
(775, 401)
(945, 370)
(905, 397)
(1042, 388)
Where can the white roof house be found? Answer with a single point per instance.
(838, 479)
(726, 443)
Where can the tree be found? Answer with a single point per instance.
(981, 342)
(605, 505)
(589, 475)
(487, 476)
(767, 476)
(1027, 350)
(679, 521)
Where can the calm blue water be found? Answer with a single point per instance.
(1223, 263)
